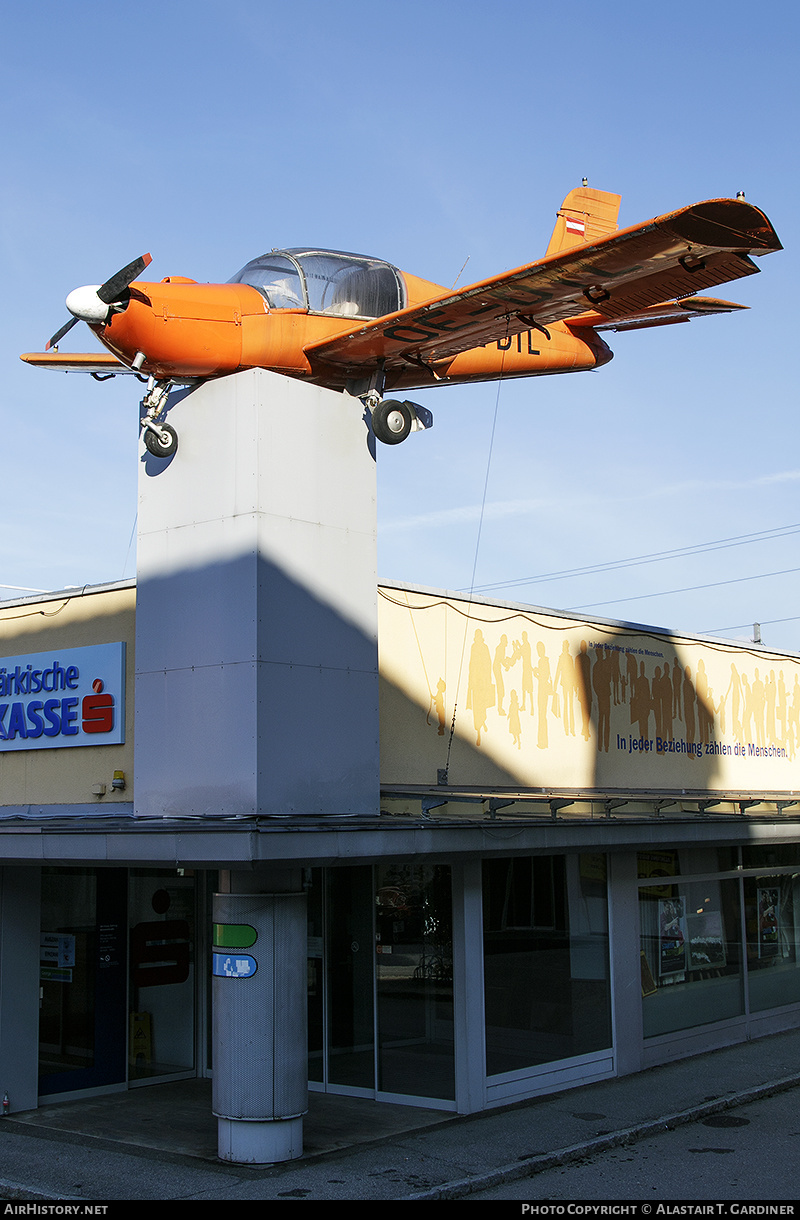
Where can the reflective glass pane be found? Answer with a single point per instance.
(772, 920)
(546, 970)
(348, 285)
(277, 277)
(677, 862)
(316, 948)
(414, 942)
(162, 972)
(68, 953)
(351, 1036)
(772, 855)
(690, 954)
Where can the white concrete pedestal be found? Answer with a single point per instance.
(257, 669)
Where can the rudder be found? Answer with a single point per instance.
(584, 217)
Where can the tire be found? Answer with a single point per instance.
(392, 421)
(155, 445)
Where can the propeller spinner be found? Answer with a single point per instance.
(95, 302)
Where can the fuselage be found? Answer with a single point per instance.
(185, 330)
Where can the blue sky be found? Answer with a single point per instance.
(425, 133)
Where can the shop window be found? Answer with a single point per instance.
(691, 963)
(679, 862)
(547, 990)
(772, 922)
(414, 980)
(772, 855)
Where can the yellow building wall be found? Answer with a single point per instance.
(67, 776)
(544, 701)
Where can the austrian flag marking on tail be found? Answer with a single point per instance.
(575, 226)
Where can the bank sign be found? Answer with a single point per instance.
(68, 697)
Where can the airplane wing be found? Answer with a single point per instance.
(97, 363)
(670, 257)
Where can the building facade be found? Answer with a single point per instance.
(267, 820)
(540, 898)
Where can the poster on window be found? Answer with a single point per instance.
(672, 936)
(769, 921)
(706, 941)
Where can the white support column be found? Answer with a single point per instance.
(257, 688)
(256, 616)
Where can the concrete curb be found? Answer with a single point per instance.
(18, 1190)
(576, 1152)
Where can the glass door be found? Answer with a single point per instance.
(380, 981)
(82, 976)
(414, 979)
(350, 1004)
(162, 974)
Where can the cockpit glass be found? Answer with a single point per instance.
(277, 277)
(349, 285)
(325, 281)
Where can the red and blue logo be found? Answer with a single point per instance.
(46, 702)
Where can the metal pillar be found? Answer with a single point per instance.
(259, 1025)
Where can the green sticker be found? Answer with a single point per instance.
(234, 935)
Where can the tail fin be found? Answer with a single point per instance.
(584, 217)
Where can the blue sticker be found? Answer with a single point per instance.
(234, 965)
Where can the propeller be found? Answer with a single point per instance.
(94, 302)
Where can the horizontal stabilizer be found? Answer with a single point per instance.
(670, 311)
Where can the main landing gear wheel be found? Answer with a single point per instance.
(162, 443)
(392, 421)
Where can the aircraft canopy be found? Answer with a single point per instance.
(325, 281)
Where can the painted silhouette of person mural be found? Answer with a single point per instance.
(677, 690)
(501, 662)
(688, 706)
(583, 684)
(544, 690)
(565, 679)
(480, 689)
(601, 684)
(736, 696)
(514, 723)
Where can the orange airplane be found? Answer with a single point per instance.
(358, 324)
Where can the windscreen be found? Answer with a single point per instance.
(277, 277)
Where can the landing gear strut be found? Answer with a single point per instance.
(160, 439)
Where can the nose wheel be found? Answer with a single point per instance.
(160, 439)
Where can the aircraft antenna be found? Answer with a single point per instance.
(461, 272)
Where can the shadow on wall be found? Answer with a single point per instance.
(265, 701)
(562, 705)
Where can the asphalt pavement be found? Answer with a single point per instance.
(451, 1158)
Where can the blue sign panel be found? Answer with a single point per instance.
(67, 697)
(234, 965)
